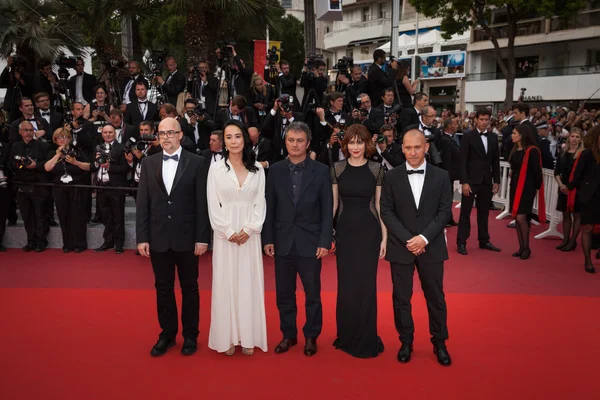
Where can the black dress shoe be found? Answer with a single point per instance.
(27, 248)
(489, 246)
(462, 249)
(570, 247)
(104, 247)
(67, 250)
(442, 355)
(285, 345)
(161, 347)
(2, 249)
(80, 250)
(563, 244)
(40, 248)
(119, 250)
(517, 253)
(189, 347)
(590, 270)
(525, 254)
(53, 223)
(451, 224)
(310, 347)
(405, 352)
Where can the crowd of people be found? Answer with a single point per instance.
(270, 173)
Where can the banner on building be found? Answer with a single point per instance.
(260, 54)
(443, 65)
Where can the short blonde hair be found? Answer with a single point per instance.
(61, 131)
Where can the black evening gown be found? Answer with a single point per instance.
(533, 180)
(564, 164)
(358, 235)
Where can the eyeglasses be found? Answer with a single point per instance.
(168, 134)
(62, 137)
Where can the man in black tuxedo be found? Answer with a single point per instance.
(54, 119)
(242, 76)
(480, 178)
(379, 80)
(262, 148)
(111, 173)
(82, 84)
(432, 134)
(450, 155)
(173, 85)
(45, 80)
(415, 206)
(370, 117)
(411, 116)
(331, 122)
(286, 82)
(123, 130)
(281, 115)
(41, 127)
(140, 109)
(128, 84)
(315, 82)
(204, 87)
(389, 149)
(197, 124)
(239, 110)
(214, 153)
(297, 232)
(173, 229)
(521, 115)
(357, 85)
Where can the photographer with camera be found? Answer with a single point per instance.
(366, 115)
(286, 81)
(174, 84)
(40, 125)
(332, 124)
(356, 85)
(241, 76)
(54, 119)
(196, 124)
(46, 81)
(16, 83)
(110, 169)
(136, 150)
(82, 84)
(432, 134)
(83, 132)
(388, 148)
(99, 108)
(68, 167)
(128, 84)
(140, 109)
(26, 159)
(281, 115)
(314, 80)
(239, 110)
(262, 97)
(204, 87)
(412, 116)
(123, 131)
(379, 80)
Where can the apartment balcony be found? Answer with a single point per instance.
(357, 31)
(539, 73)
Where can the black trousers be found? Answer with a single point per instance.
(5, 198)
(484, 199)
(163, 264)
(33, 210)
(452, 196)
(431, 276)
(112, 210)
(70, 208)
(286, 270)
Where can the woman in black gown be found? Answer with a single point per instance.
(526, 180)
(361, 242)
(568, 201)
(587, 182)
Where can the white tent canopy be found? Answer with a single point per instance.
(427, 39)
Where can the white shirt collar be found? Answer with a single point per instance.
(178, 152)
(422, 166)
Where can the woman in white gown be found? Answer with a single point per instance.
(237, 210)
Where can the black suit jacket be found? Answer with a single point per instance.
(56, 119)
(309, 224)
(14, 136)
(248, 118)
(265, 151)
(124, 83)
(404, 219)
(393, 154)
(373, 122)
(87, 87)
(127, 132)
(209, 91)
(547, 159)
(477, 166)
(406, 118)
(133, 116)
(271, 129)
(119, 168)
(177, 220)
(242, 79)
(450, 156)
(378, 80)
(171, 90)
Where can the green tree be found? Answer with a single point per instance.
(293, 43)
(165, 32)
(459, 15)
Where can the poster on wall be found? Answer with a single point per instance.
(438, 66)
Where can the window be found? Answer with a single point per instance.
(327, 29)
(593, 57)
(350, 53)
(286, 3)
(382, 11)
(364, 50)
(365, 14)
(526, 67)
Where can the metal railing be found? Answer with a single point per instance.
(539, 73)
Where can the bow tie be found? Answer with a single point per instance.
(483, 133)
(220, 153)
(415, 171)
(142, 102)
(46, 113)
(174, 157)
(300, 166)
(30, 119)
(336, 113)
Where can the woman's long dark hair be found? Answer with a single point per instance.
(527, 139)
(248, 156)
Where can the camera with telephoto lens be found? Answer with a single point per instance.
(149, 137)
(342, 125)
(198, 111)
(286, 102)
(344, 65)
(313, 61)
(112, 65)
(226, 51)
(104, 153)
(362, 112)
(272, 56)
(388, 62)
(68, 151)
(381, 138)
(157, 61)
(22, 161)
(64, 63)
(133, 144)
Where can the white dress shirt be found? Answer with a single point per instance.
(196, 133)
(416, 182)
(484, 139)
(126, 99)
(79, 90)
(45, 114)
(169, 168)
(103, 172)
(216, 157)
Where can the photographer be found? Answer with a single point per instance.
(262, 148)
(241, 76)
(14, 81)
(404, 88)
(204, 87)
(432, 134)
(137, 150)
(314, 80)
(40, 125)
(82, 131)
(197, 124)
(123, 131)
(357, 85)
(128, 84)
(389, 108)
(174, 84)
(238, 110)
(110, 169)
(379, 80)
(140, 109)
(54, 119)
(286, 82)
(390, 151)
(82, 84)
(411, 116)
(214, 153)
(26, 159)
(262, 97)
(99, 108)
(46, 81)
(276, 121)
(68, 167)
(366, 115)
(332, 122)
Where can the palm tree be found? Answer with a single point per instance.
(37, 29)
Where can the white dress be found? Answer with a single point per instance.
(238, 302)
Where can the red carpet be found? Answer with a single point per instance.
(80, 326)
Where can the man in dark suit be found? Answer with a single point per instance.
(297, 232)
(197, 123)
(54, 119)
(285, 82)
(242, 76)
(521, 115)
(281, 115)
(370, 117)
(238, 110)
(14, 80)
(204, 87)
(379, 80)
(112, 173)
(416, 238)
(214, 153)
(450, 155)
(140, 109)
(173, 229)
(480, 178)
(128, 84)
(411, 116)
(389, 149)
(331, 122)
(45, 80)
(123, 130)
(82, 84)
(41, 127)
(262, 148)
(174, 84)
(433, 135)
